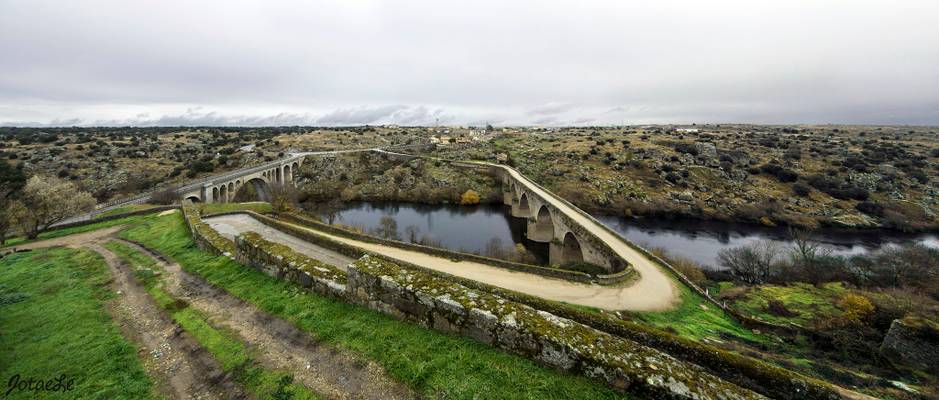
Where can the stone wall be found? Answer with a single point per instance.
(281, 262)
(741, 370)
(551, 340)
(206, 238)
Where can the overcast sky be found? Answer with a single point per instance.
(505, 62)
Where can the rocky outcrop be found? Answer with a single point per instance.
(913, 342)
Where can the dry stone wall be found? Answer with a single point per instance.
(551, 340)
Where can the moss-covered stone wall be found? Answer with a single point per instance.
(206, 238)
(551, 340)
(282, 262)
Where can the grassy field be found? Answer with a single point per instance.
(225, 346)
(54, 323)
(431, 363)
(125, 209)
(806, 301)
(697, 319)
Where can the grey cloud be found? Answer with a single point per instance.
(420, 62)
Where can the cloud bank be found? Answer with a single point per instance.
(421, 62)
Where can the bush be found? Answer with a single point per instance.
(801, 189)
(469, 198)
(870, 208)
(777, 307)
(782, 174)
(856, 308)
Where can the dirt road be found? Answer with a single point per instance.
(329, 372)
(74, 240)
(607, 297)
(180, 367)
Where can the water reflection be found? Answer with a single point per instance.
(490, 230)
(701, 241)
(484, 229)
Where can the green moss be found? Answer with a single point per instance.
(215, 208)
(807, 301)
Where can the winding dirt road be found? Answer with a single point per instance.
(634, 297)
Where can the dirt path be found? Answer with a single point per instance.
(180, 367)
(606, 297)
(73, 240)
(327, 371)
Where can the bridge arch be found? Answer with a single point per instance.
(254, 189)
(231, 191)
(223, 194)
(571, 251)
(215, 194)
(543, 228)
(194, 199)
(277, 176)
(523, 207)
(287, 175)
(295, 168)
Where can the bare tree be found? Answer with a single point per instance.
(808, 255)
(46, 201)
(168, 195)
(754, 263)
(283, 197)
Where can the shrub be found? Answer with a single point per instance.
(870, 208)
(801, 189)
(777, 307)
(856, 308)
(469, 197)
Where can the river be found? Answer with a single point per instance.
(490, 230)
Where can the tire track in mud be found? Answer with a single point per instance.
(181, 368)
(330, 372)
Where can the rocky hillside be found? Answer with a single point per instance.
(374, 177)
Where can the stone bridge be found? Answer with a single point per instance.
(222, 189)
(572, 235)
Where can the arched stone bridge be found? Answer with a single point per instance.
(572, 234)
(222, 189)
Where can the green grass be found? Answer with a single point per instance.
(693, 321)
(431, 363)
(78, 229)
(225, 346)
(806, 300)
(54, 322)
(213, 208)
(125, 209)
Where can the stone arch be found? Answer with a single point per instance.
(287, 176)
(194, 199)
(223, 194)
(295, 168)
(215, 194)
(523, 207)
(571, 251)
(277, 176)
(231, 191)
(254, 189)
(544, 225)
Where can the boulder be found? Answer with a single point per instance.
(913, 342)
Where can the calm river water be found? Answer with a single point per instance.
(481, 229)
